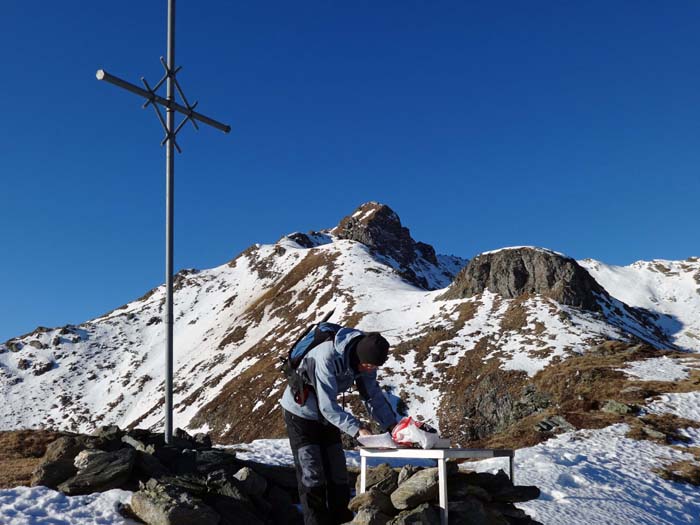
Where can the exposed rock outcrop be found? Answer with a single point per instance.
(512, 272)
(378, 227)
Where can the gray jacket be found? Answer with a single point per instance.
(327, 369)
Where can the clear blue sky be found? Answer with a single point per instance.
(569, 125)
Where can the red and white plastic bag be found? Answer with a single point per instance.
(410, 432)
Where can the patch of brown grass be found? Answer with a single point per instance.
(515, 316)
(666, 424)
(20, 453)
(687, 471)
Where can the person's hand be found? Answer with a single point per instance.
(364, 432)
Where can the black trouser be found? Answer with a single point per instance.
(322, 476)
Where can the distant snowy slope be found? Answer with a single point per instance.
(670, 288)
(449, 332)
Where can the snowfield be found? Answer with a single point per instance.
(42, 506)
(592, 477)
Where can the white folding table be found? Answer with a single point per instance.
(439, 454)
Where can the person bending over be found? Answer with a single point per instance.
(315, 422)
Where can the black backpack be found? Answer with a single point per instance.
(313, 336)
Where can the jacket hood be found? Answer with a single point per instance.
(343, 337)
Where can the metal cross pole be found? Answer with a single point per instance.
(187, 109)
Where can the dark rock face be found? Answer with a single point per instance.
(104, 471)
(163, 504)
(514, 272)
(379, 227)
(489, 405)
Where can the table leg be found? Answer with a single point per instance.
(363, 473)
(512, 470)
(442, 483)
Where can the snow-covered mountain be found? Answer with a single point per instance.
(496, 321)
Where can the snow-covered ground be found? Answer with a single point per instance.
(592, 477)
(600, 477)
(660, 369)
(42, 506)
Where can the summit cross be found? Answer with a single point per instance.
(188, 110)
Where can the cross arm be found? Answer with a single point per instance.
(103, 75)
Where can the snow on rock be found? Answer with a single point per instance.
(535, 248)
(41, 505)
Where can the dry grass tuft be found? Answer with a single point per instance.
(20, 453)
(687, 471)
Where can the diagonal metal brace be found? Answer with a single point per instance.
(154, 98)
(151, 100)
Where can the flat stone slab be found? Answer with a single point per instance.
(105, 471)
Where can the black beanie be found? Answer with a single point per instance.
(372, 349)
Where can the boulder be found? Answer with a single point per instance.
(516, 494)
(202, 440)
(653, 434)
(56, 466)
(84, 456)
(554, 423)
(41, 367)
(406, 472)
(206, 461)
(374, 497)
(423, 514)
(147, 466)
(233, 512)
(108, 433)
(282, 476)
(381, 474)
(459, 488)
(370, 515)
(169, 456)
(223, 483)
(138, 444)
(419, 488)
(104, 471)
(283, 510)
(489, 482)
(469, 511)
(615, 407)
(158, 503)
(252, 483)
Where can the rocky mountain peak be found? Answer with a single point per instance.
(511, 272)
(377, 226)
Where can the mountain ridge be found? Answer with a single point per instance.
(233, 321)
